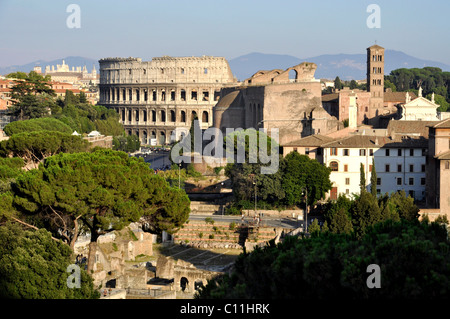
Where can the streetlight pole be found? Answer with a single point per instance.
(305, 220)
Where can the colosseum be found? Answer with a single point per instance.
(158, 98)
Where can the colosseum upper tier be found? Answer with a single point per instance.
(158, 97)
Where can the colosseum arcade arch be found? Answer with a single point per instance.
(205, 117)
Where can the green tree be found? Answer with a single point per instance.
(337, 215)
(364, 212)
(389, 85)
(33, 266)
(373, 179)
(38, 124)
(35, 146)
(129, 143)
(403, 205)
(244, 175)
(338, 84)
(246, 146)
(441, 101)
(32, 95)
(249, 144)
(362, 179)
(99, 192)
(302, 173)
(413, 257)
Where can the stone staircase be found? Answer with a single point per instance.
(221, 232)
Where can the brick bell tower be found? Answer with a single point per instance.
(375, 82)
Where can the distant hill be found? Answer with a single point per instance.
(72, 61)
(346, 66)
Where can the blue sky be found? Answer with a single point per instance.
(33, 30)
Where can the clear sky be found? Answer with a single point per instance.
(32, 30)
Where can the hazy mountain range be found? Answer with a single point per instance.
(346, 66)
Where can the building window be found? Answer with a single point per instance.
(182, 71)
(424, 151)
(411, 193)
(422, 181)
(399, 152)
(411, 168)
(399, 181)
(347, 191)
(447, 164)
(345, 152)
(411, 181)
(334, 166)
(411, 152)
(319, 151)
(345, 167)
(387, 168)
(399, 168)
(362, 152)
(378, 180)
(333, 151)
(295, 149)
(347, 181)
(423, 168)
(371, 152)
(387, 152)
(307, 151)
(205, 71)
(378, 191)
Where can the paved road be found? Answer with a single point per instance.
(157, 160)
(266, 221)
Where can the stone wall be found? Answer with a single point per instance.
(293, 106)
(179, 271)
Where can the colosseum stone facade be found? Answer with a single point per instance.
(159, 97)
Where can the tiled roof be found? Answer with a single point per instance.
(357, 141)
(399, 97)
(409, 127)
(330, 97)
(442, 124)
(312, 140)
(365, 141)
